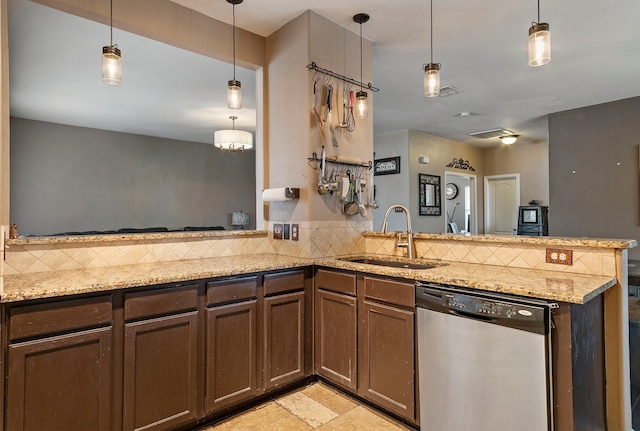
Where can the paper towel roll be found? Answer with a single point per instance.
(280, 194)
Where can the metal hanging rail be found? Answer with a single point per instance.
(313, 66)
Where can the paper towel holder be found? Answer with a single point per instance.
(288, 194)
(292, 192)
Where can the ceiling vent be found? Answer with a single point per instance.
(492, 133)
(448, 90)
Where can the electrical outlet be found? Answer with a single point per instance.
(294, 232)
(560, 256)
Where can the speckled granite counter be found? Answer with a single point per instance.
(36, 285)
(574, 288)
(79, 239)
(521, 239)
(557, 286)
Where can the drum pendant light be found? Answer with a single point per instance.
(539, 42)
(431, 70)
(233, 140)
(234, 89)
(111, 56)
(362, 110)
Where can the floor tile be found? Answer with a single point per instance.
(339, 403)
(319, 391)
(271, 416)
(307, 409)
(360, 419)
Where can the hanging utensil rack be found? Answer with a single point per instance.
(313, 66)
(333, 159)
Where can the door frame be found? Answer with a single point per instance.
(488, 196)
(473, 191)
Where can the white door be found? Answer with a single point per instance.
(502, 195)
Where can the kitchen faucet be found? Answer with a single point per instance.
(408, 243)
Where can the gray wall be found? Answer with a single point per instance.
(593, 171)
(530, 160)
(66, 178)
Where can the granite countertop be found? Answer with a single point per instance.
(533, 283)
(20, 287)
(558, 286)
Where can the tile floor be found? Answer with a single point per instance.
(315, 407)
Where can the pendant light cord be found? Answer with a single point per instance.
(538, 12)
(360, 56)
(431, 28)
(234, 41)
(111, 23)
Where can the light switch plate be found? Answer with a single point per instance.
(277, 231)
(560, 255)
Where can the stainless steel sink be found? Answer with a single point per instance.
(391, 263)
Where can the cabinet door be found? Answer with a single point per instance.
(387, 357)
(336, 338)
(284, 338)
(160, 372)
(231, 373)
(61, 382)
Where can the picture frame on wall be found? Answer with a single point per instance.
(386, 166)
(429, 194)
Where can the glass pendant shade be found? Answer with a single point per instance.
(111, 67)
(431, 80)
(234, 95)
(539, 44)
(362, 108)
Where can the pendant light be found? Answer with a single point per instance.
(539, 42)
(234, 89)
(431, 70)
(233, 140)
(111, 56)
(362, 110)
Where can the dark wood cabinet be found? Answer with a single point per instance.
(161, 358)
(59, 371)
(156, 357)
(386, 348)
(336, 328)
(284, 328)
(231, 342)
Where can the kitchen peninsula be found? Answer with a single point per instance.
(248, 262)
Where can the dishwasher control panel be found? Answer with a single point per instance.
(491, 307)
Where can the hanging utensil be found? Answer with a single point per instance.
(334, 141)
(362, 209)
(345, 108)
(350, 121)
(323, 187)
(372, 191)
(350, 206)
(316, 114)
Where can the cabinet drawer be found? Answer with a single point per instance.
(283, 282)
(232, 290)
(390, 291)
(160, 301)
(336, 282)
(59, 316)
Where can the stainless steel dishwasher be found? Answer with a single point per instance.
(483, 361)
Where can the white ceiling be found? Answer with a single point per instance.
(482, 47)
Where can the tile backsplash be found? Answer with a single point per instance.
(316, 239)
